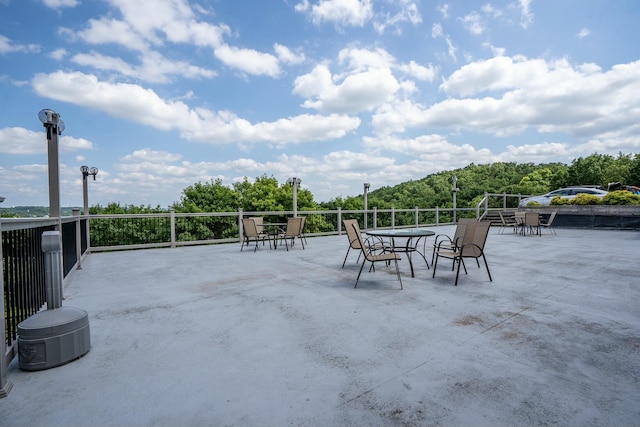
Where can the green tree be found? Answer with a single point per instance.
(211, 196)
(537, 182)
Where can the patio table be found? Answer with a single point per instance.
(410, 245)
(274, 229)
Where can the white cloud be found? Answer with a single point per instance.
(248, 60)
(408, 12)
(359, 91)
(526, 17)
(57, 4)
(520, 94)
(21, 141)
(444, 10)
(153, 68)
(473, 23)
(353, 13)
(584, 32)
(285, 55)
(420, 72)
(7, 46)
(436, 30)
(133, 102)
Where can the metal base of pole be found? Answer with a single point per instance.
(4, 391)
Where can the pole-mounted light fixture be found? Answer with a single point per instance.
(294, 182)
(86, 171)
(366, 202)
(54, 125)
(454, 190)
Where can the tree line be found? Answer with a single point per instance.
(265, 193)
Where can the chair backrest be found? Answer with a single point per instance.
(460, 229)
(474, 239)
(366, 251)
(294, 227)
(551, 218)
(249, 227)
(532, 219)
(258, 220)
(507, 219)
(519, 216)
(352, 228)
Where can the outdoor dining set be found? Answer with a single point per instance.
(387, 245)
(257, 231)
(380, 245)
(524, 223)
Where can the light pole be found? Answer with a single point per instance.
(454, 190)
(294, 182)
(366, 203)
(54, 125)
(85, 173)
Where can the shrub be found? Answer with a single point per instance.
(621, 197)
(560, 201)
(586, 199)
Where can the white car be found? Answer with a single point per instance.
(565, 193)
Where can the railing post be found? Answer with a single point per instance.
(417, 218)
(76, 213)
(339, 221)
(5, 386)
(375, 217)
(240, 230)
(393, 217)
(172, 225)
(437, 216)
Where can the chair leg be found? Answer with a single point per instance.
(345, 257)
(360, 272)
(487, 265)
(458, 271)
(435, 265)
(398, 273)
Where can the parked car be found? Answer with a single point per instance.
(565, 193)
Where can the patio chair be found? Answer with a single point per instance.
(352, 227)
(444, 242)
(471, 246)
(519, 217)
(370, 255)
(259, 223)
(250, 231)
(302, 236)
(293, 230)
(532, 222)
(548, 223)
(508, 221)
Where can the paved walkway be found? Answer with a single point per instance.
(211, 336)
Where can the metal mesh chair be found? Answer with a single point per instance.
(370, 255)
(471, 246)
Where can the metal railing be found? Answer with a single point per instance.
(22, 273)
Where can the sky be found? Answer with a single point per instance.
(162, 94)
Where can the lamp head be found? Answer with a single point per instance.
(49, 117)
(94, 171)
(84, 170)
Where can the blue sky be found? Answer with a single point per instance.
(161, 94)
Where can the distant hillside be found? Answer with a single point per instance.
(32, 211)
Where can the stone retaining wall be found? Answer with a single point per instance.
(623, 217)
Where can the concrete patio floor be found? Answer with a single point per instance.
(211, 336)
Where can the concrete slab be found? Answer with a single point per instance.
(209, 335)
